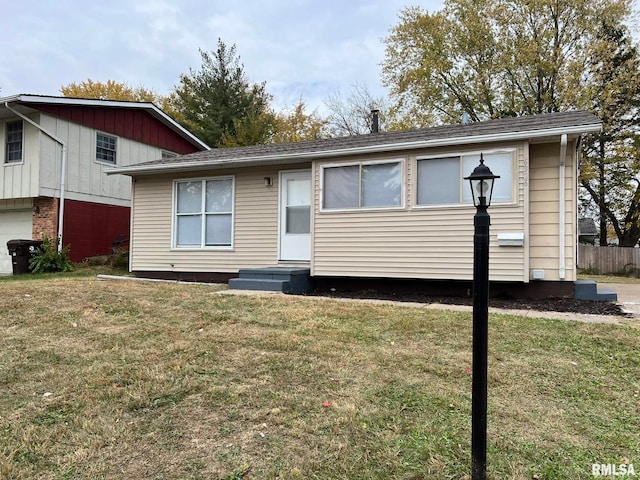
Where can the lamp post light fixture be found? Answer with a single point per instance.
(481, 181)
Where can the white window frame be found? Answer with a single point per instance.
(6, 143)
(360, 164)
(203, 214)
(166, 155)
(463, 202)
(115, 149)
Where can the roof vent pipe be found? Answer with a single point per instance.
(375, 121)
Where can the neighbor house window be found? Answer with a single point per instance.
(440, 180)
(167, 155)
(14, 142)
(204, 213)
(106, 148)
(363, 185)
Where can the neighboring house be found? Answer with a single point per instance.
(96, 134)
(587, 231)
(388, 205)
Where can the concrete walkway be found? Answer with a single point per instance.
(569, 316)
(628, 296)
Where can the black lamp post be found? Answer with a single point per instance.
(481, 180)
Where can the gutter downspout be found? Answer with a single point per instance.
(63, 169)
(562, 207)
(576, 172)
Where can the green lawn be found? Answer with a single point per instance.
(132, 380)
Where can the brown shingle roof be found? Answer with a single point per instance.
(534, 126)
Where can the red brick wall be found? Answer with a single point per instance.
(45, 218)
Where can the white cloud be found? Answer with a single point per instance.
(299, 47)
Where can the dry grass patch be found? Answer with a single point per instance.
(110, 380)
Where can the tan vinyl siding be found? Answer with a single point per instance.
(255, 237)
(406, 242)
(414, 242)
(544, 216)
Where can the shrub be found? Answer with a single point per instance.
(49, 259)
(120, 260)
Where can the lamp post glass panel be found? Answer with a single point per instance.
(481, 182)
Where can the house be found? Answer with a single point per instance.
(54, 153)
(587, 231)
(390, 205)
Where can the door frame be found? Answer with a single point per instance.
(281, 186)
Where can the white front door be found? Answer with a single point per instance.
(295, 216)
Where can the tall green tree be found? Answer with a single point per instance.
(491, 58)
(218, 104)
(610, 171)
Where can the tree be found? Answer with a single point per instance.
(491, 58)
(610, 170)
(295, 125)
(252, 129)
(496, 58)
(217, 102)
(110, 90)
(352, 116)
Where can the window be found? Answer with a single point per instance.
(14, 142)
(105, 148)
(167, 155)
(204, 213)
(298, 206)
(366, 185)
(440, 180)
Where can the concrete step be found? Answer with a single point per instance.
(605, 295)
(298, 280)
(262, 284)
(273, 272)
(588, 290)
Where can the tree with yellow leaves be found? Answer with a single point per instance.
(295, 125)
(109, 90)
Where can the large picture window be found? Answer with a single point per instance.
(440, 180)
(365, 185)
(204, 213)
(13, 142)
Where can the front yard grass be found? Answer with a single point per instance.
(116, 379)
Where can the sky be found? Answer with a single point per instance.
(300, 48)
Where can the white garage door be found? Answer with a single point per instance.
(13, 225)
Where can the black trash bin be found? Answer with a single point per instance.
(21, 252)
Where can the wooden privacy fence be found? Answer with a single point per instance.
(609, 260)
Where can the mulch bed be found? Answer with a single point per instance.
(547, 304)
